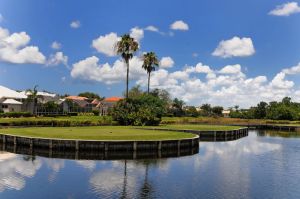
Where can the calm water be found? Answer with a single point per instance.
(262, 165)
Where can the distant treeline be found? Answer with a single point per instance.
(284, 110)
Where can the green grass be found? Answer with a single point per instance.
(200, 127)
(96, 133)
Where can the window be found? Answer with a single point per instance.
(4, 106)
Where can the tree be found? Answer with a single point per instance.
(177, 107)
(150, 61)
(217, 110)
(126, 47)
(135, 92)
(260, 111)
(90, 95)
(32, 96)
(192, 111)
(206, 109)
(143, 110)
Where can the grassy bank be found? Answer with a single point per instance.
(199, 127)
(96, 133)
(226, 121)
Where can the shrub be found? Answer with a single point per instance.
(16, 114)
(96, 112)
(141, 110)
(72, 114)
(85, 114)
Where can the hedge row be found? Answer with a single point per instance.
(58, 123)
(15, 114)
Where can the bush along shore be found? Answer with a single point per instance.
(58, 121)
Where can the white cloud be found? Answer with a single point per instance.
(137, 33)
(293, 70)
(286, 9)
(226, 86)
(75, 24)
(179, 25)
(199, 68)
(105, 44)
(57, 58)
(195, 55)
(56, 45)
(14, 49)
(166, 62)
(280, 82)
(235, 47)
(231, 69)
(90, 70)
(152, 28)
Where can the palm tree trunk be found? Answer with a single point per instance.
(127, 78)
(148, 83)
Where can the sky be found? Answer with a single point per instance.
(233, 52)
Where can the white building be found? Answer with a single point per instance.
(10, 100)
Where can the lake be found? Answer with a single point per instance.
(264, 164)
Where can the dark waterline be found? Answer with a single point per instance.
(263, 165)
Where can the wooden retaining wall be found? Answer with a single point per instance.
(97, 154)
(95, 145)
(212, 135)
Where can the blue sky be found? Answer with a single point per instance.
(261, 39)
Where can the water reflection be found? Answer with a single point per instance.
(285, 134)
(257, 166)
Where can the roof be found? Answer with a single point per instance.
(41, 93)
(11, 101)
(112, 99)
(8, 93)
(76, 98)
(95, 102)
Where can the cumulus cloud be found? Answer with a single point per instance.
(105, 44)
(56, 45)
(75, 24)
(90, 69)
(293, 70)
(280, 82)
(179, 25)
(196, 84)
(235, 47)
(57, 58)
(152, 28)
(14, 48)
(137, 33)
(286, 9)
(166, 62)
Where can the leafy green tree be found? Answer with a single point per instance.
(126, 47)
(192, 111)
(142, 110)
(90, 95)
(217, 110)
(206, 109)
(177, 107)
(32, 96)
(135, 92)
(150, 62)
(260, 111)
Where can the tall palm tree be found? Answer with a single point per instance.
(126, 47)
(33, 96)
(150, 62)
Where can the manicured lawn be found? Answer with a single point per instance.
(200, 127)
(96, 133)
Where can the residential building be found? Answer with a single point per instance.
(10, 100)
(108, 103)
